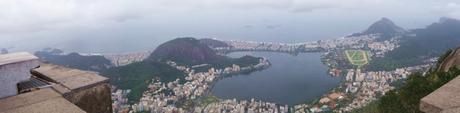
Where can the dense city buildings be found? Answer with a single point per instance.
(360, 87)
(196, 86)
(127, 58)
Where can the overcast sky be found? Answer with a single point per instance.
(136, 25)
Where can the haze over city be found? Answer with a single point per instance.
(85, 25)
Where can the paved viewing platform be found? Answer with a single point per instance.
(40, 101)
(30, 86)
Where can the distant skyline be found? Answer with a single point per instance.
(111, 26)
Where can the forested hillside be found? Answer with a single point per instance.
(420, 45)
(406, 99)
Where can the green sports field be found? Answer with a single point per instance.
(357, 57)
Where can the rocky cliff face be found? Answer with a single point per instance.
(451, 60)
(94, 99)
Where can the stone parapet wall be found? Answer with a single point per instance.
(446, 99)
(88, 90)
(96, 99)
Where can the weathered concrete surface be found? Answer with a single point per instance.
(96, 99)
(70, 78)
(446, 99)
(56, 105)
(16, 57)
(40, 101)
(72, 90)
(15, 68)
(87, 90)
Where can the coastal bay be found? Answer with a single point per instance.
(290, 80)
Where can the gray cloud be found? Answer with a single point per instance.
(60, 22)
(35, 15)
(450, 9)
(273, 26)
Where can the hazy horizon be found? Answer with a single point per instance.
(112, 26)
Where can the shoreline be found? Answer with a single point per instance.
(322, 46)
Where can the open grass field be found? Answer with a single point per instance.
(208, 100)
(357, 57)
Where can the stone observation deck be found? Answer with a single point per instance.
(30, 86)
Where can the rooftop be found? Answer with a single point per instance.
(16, 57)
(47, 88)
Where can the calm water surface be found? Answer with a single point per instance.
(290, 79)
